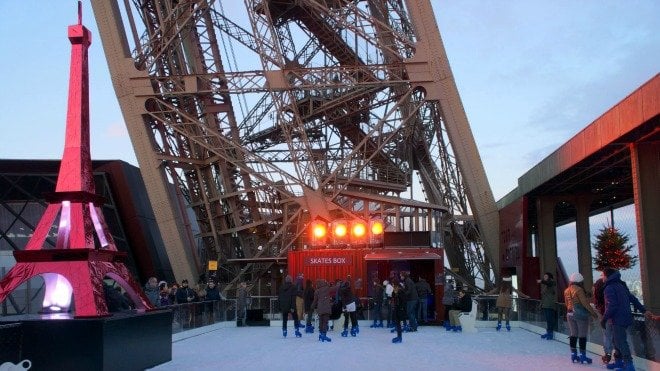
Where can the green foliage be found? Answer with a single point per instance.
(612, 250)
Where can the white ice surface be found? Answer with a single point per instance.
(431, 348)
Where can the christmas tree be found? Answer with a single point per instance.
(612, 250)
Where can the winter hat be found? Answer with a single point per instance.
(576, 277)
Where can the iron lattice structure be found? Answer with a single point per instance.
(267, 114)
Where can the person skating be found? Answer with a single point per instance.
(378, 303)
(504, 301)
(308, 297)
(578, 311)
(399, 310)
(617, 311)
(599, 302)
(322, 303)
(412, 300)
(549, 304)
(349, 304)
(448, 300)
(287, 299)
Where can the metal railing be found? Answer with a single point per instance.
(642, 334)
(199, 314)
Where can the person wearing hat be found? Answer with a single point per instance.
(504, 301)
(578, 311)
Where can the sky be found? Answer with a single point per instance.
(531, 74)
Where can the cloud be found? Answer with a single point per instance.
(116, 130)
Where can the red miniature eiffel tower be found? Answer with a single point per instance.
(77, 257)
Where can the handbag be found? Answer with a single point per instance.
(335, 310)
(580, 312)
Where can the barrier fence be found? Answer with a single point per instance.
(643, 334)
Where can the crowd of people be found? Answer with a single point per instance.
(399, 300)
(202, 297)
(402, 304)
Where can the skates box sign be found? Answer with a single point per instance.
(328, 260)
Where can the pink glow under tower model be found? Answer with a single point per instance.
(78, 264)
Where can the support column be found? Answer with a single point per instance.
(583, 237)
(645, 162)
(547, 239)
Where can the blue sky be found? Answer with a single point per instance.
(531, 75)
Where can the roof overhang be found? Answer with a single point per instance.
(403, 254)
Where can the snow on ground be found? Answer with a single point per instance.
(431, 348)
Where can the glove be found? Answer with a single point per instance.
(603, 323)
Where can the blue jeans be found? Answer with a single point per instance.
(411, 309)
(422, 311)
(621, 341)
(550, 318)
(607, 338)
(378, 314)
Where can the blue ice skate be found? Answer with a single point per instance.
(584, 358)
(574, 357)
(323, 337)
(617, 364)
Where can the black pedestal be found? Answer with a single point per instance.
(123, 341)
(255, 317)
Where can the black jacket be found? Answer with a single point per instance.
(287, 297)
(464, 304)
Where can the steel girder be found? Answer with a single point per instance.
(266, 115)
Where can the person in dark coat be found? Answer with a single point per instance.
(617, 311)
(549, 304)
(241, 302)
(323, 304)
(378, 304)
(287, 299)
(423, 291)
(185, 294)
(349, 305)
(411, 295)
(399, 309)
(308, 298)
(599, 303)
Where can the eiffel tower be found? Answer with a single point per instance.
(85, 252)
(268, 114)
